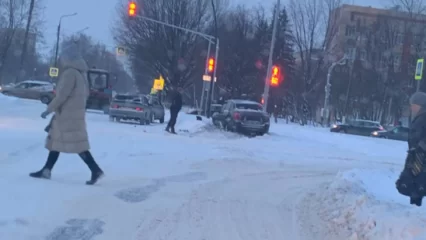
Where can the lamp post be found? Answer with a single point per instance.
(58, 32)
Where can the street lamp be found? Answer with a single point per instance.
(342, 61)
(58, 32)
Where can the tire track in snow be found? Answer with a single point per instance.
(256, 207)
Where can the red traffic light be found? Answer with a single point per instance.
(210, 66)
(132, 9)
(275, 77)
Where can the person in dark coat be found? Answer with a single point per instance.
(67, 131)
(412, 181)
(175, 108)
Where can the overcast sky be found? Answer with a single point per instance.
(98, 15)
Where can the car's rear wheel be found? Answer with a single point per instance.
(45, 100)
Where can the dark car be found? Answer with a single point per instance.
(242, 116)
(397, 133)
(357, 127)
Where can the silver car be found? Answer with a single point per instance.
(29, 89)
(130, 107)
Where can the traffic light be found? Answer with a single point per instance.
(210, 66)
(275, 77)
(132, 9)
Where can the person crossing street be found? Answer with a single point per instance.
(67, 131)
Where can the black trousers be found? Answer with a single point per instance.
(86, 156)
(173, 117)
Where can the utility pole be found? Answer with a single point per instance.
(25, 46)
(271, 52)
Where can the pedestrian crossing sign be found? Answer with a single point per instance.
(158, 83)
(53, 72)
(120, 51)
(419, 69)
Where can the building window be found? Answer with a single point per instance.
(350, 30)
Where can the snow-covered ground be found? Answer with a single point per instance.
(295, 183)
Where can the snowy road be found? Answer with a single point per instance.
(201, 184)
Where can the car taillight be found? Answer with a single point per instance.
(54, 91)
(237, 116)
(114, 106)
(139, 109)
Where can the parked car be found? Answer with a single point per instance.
(242, 116)
(396, 133)
(131, 107)
(357, 127)
(29, 89)
(215, 108)
(157, 107)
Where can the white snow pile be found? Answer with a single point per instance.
(189, 124)
(365, 205)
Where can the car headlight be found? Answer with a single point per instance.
(334, 126)
(375, 133)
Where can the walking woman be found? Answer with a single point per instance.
(67, 131)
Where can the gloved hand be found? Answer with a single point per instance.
(44, 114)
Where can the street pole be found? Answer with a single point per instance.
(58, 32)
(214, 72)
(271, 51)
(210, 96)
(328, 89)
(206, 71)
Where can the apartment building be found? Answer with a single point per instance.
(351, 29)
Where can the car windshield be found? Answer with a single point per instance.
(248, 106)
(124, 97)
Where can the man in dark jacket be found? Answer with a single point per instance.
(412, 181)
(174, 110)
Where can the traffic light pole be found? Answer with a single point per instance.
(271, 52)
(210, 95)
(203, 35)
(204, 82)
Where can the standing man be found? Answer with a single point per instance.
(67, 131)
(174, 110)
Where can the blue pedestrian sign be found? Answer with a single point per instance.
(419, 69)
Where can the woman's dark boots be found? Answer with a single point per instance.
(87, 157)
(45, 172)
(97, 172)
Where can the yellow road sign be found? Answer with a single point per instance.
(419, 69)
(53, 72)
(158, 83)
(121, 51)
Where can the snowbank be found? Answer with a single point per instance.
(364, 205)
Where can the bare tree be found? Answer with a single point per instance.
(314, 26)
(14, 17)
(154, 49)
